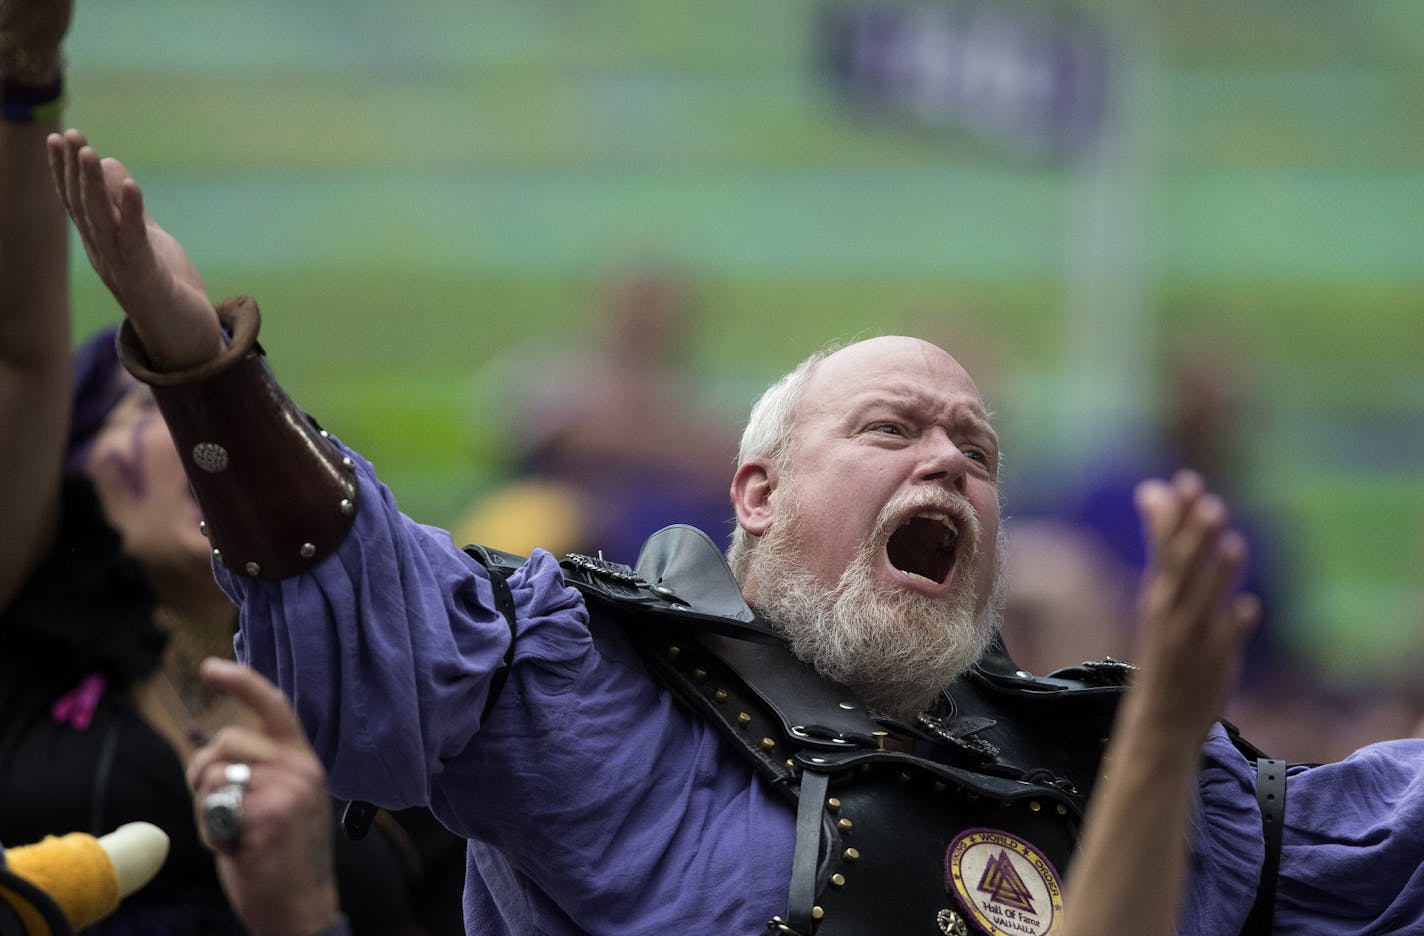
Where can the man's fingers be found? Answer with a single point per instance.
(61, 164)
(233, 744)
(265, 700)
(1189, 485)
(131, 232)
(99, 200)
(115, 172)
(1197, 558)
(1191, 546)
(54, 152)
(1156, 505)
(1165, 505)
(92, 202)
(73, 142)
(1199, 534)
(1204, 594)
(133, 229)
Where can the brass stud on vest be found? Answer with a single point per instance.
(674, 650)
(1062, 810)
(1033, 806)
(939, 786)
(699, 674)
(203, 527)
(850, 854)
(348, 464)
(844, 824)
(904, 776)
(817, 912)
(324, 434)
(253, 569)
(217, 554)
(879, 737)
(743, 719)
(767, 744)
(720, 695)
(838, 880)
(308, 550)
(833, 805)
(790, 763)
(347, 508)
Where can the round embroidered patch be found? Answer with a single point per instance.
(1006, 885)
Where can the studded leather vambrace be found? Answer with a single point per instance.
(276, 494)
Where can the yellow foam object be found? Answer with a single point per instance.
(87, 876)
(74, 870)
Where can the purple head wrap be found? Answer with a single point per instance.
(98, 385)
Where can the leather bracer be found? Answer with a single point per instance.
(276, 494)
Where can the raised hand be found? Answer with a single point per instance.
(278, 870)
(145, 268)
(1191, 628)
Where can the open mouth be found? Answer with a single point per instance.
(924, 546)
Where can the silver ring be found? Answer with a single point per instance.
(222, 808)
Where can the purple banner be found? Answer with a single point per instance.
(1028, 80)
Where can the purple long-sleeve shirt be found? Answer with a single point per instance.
(595, 804)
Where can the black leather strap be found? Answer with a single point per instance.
(356, 819)
(807, 858)
(504, 602)
(1271, 795)
(499, 565)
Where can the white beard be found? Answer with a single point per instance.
(894, 647)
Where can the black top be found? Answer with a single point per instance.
(88, 610)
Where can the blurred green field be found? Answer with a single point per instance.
(409, 189)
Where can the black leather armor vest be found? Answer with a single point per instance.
(963, 823)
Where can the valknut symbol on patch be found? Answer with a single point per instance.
(1005, 884)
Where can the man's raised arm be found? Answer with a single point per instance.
(1131, 869)
(342, 599)
(276, 495)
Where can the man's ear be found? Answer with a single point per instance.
(752, 487)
